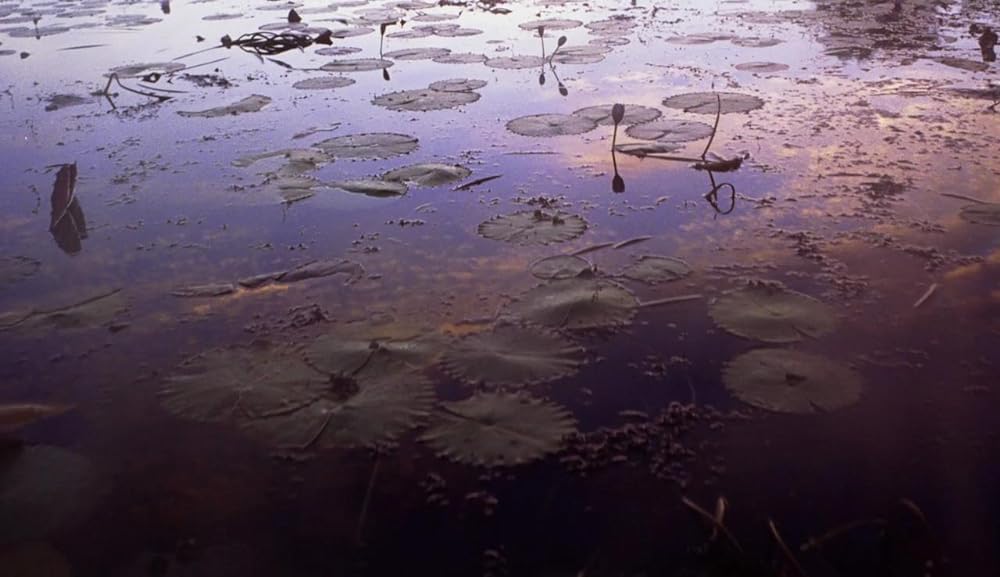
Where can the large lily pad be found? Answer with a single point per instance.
(429, 174)
(249, 104)
(708, 103)
(520, 62)
(373, 359)
(657, 269)
(356, 65)
(770, 312)
(670, 131)
(533, 227)
(761, 67)
(791, 382)
(985, 213)
(550, 125)
(511, 354)
(498, 429)
(560, 267)
(578, 303)
(369, 146)
(424, 100)
(42, 489)
(634, 114)
(457, 85)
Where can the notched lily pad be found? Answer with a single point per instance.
(249, 104)
(547, 125)
(511, 354)
(707, 103)
(577, 303)
(515, 62)
(457, 85)
(417, 53)
(589, 54)
(374, 359)
(789, 381)
(424, 100)
(427, 174)
(369, 146)
(634, 114)
(670, 131)
(323, 83)
(985, 213)
(357, 65)
(498, 429)
(769, 312)
(561, 267)
(657, 269)
(535, 227)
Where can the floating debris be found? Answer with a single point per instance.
(670, 131)
(323, 83)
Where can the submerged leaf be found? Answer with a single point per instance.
(577, 303)
(772, 313)
(512, 355)
(533, 227)
(656, 269)
(427, 174)
(791, 382)
(498, 429)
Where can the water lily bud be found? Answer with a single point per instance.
(618, 113)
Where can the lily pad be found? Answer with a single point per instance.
(769, 312)
(372, 187)
(417, 53)
(985, 213)
(323, 83)
(43, 489)
(577, 303)
(670, 131)
(634, 114)
(498, 429)
(657, 269)
(427, 174)
(707, 103)
(96, 311)
(14, 269)
(533, 227)
(139, 70)
(588, 54)
(249, 104)
(965, 64)
(460, 58)
(550, 24)
(642, 149)
(511, 354)
(369, 146)
(789, 381)
(761, 67)
(204, 290)
(547, 125)
(323, 268)
(424, 100)
(357, 65)
(560, 267)
(458, 85)
(373, 359)
(515, 62)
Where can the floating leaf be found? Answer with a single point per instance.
(761, 67)
(788, 381)
(550, 24)
(460, 58)
(561, 267)
(656, 269)
(984, 213)
(417, 53)
(756, 42)
(373, 359)
(356, 65)
(373, 145)
(589, 54)
(577, 303)
(323, 83)
(965, 64)
(204, 290)
(512, 355)
(642, 149)
(424, 100)
(533, 227)
(15, 416)
(515, 62)
(323, 268)
(498, 429)
(249, 104)
(551, 125)
(634, 114)
(99, 310)
(372, 187)
(43, 489)
(770, 312)
(670, 131)
(139, 70)
(708, 102)
(427, 174)
(457, 85)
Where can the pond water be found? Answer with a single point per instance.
(239, 340)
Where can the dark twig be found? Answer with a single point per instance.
(715, 128)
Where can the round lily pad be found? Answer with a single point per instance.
(708, 103)
(588, 54)
(369, 145)
(560, 267)
(253, 103)
(498, 429)
(356, 65)
(611, 26)
(457, 85)
(460, 58)
(670, 131)
(427, 174)
(642, 149)
(789, 381)
(424, 100)
(577, 303)
(772, 313)
(323, 83)
(986, 213)
(511, 354)
(373, 359)
(372, 187)
(515, 62)
(761, 67)
(547, 125)
(338, 50)
(417, 53)
(634, 114)
(657, 269)
(533, 227)
(550, 24)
